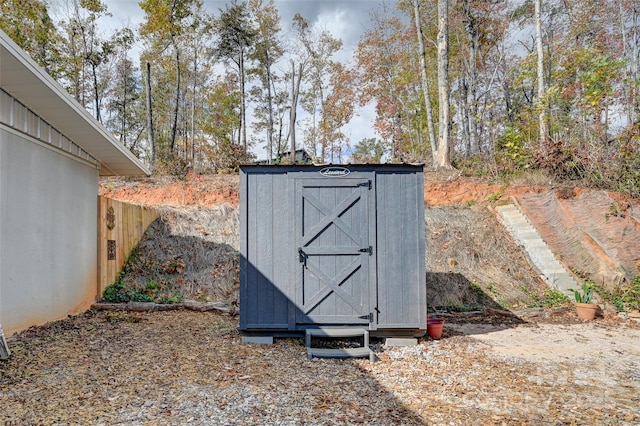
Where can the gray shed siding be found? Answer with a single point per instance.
(401, 249)
(276, 202)
(263, 261)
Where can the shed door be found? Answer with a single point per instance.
(335, 233)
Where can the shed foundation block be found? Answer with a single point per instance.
(397, 341)
(258, 340)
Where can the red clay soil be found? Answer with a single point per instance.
(211, 190)
(195, 190)
(594, 232)
(466, 191)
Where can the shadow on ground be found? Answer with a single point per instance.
(177, 367)
(453, 297)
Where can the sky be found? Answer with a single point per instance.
(346, 20)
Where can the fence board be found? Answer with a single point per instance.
(128, 225)
(102, 242)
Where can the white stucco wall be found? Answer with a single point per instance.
(48, 232)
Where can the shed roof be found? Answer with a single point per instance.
(30, 84)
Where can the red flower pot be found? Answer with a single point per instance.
(586, 311)
(434, 327)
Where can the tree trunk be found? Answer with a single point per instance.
(243, 106)
(472, 90)
(323, 136)
(270, 108)
(193, 107)
(95, 91)
(424, 82)
(123, 137)
(295, 91)
(634, 65)
(542, 124)
(444, 149)
(174, 125)
(152, 142)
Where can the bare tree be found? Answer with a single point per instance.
(540, 67)
(444, 148)
(424, 82)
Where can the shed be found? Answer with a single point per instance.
(52, 153)
(332, 246)
(301, 157)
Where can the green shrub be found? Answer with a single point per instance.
(116, 292)
(121, 292)
(624, 298)
(549, 299)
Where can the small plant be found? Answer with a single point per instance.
(470, 203)
(614, 211)
(174, 298)
(121, 292)
(492, 289)
(584, 296)
(115, 292)
(475, 287)
(552, 298)
(495, 196)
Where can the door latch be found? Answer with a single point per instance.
(366, 184)
(367, 250)
(302, 256)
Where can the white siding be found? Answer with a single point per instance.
(48, 229)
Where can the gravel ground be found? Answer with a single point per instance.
(185, 367)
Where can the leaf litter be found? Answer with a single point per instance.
(177, 367)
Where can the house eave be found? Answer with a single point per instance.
(27, 82)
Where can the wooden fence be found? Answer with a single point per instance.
(120, 229)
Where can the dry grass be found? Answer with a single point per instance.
(191, 251)
(473, 262)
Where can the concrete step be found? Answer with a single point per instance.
(555, 271)
(529, 233)
(538, 252)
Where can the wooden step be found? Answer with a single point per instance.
(338, 332)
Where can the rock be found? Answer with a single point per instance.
(136, 306)
(207, 306)
(530, 312)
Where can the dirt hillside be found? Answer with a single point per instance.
(471, 261)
